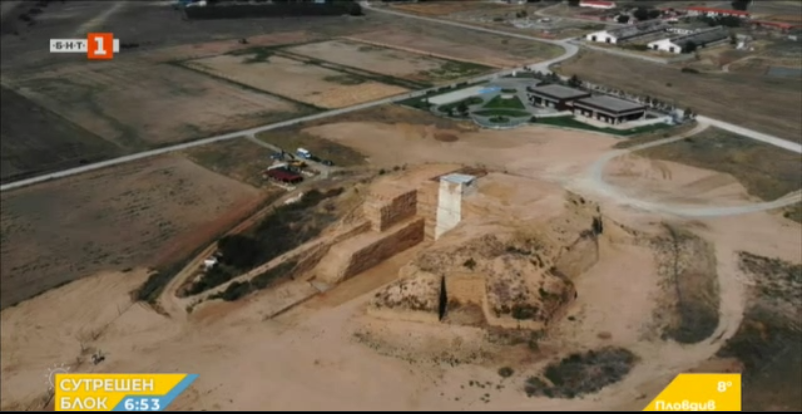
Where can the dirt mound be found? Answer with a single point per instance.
(445, 137)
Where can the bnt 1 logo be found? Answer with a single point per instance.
(97, 46)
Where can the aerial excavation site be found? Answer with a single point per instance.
(401, 205)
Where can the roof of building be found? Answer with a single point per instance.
(458, 178)
(719, 11)
(781, 25)
(598, 3)
(610, 103)
(702, 37)
(638, 29)
(559, 92)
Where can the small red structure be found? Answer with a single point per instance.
(711, 12)
(776, 25)
(283, 176)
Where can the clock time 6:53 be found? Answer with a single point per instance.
(141, 404)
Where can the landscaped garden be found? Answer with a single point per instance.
(571, 122)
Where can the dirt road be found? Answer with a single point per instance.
(594, 181)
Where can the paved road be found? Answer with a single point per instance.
(569, 51)
(755, 135)
(595, 182)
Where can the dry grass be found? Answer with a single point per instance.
(771, 105)
(296, 80)
(116, 218)
(766, 171)
(239, 158)
(768, 342)
(138, 105)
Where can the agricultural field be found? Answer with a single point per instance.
(460, 44)
(390, 62)
(294, 79)
(239, 159)
(774, 104)
(113, 219)
(140, 106)
(447, 7)
(45, 143)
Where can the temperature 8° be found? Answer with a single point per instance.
(723, 386)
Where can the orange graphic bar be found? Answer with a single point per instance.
(100, 46)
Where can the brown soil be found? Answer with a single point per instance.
(370, 364)
(296, 80)
(62, 231)
(172, 104)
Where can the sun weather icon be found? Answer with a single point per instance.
(51, 374)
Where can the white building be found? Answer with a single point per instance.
(596, 4)
(666, 45)
(623, 33)
(700, 38)
(602, 36)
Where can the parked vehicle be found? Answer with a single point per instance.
(303, 153)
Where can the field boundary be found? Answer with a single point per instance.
(418, 52)
(227, 79)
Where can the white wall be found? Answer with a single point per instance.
(448, 213)
(665, 45)
(596, 6)
(601, 37)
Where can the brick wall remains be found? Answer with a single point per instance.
(466, 288)
(426, 206)
(384, 210)
(367, 250)
(579, 257)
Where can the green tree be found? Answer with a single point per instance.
(740, 4)
(641, 14)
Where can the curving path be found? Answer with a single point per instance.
(570, 50)
(595, 182)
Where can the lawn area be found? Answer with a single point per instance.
(571, 122)
(500, 102)
(502, 112)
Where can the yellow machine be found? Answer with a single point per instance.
(297, 164)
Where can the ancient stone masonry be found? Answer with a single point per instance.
(426, 206)
(384, 210)
(466, 288)
(367, 250)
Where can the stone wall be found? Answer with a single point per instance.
(384, 210)
(427, 206)
(579, 257)
(466, 288)
(367, 250)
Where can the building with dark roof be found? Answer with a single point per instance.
(555, 96)
(689, 42)
(609, 109)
